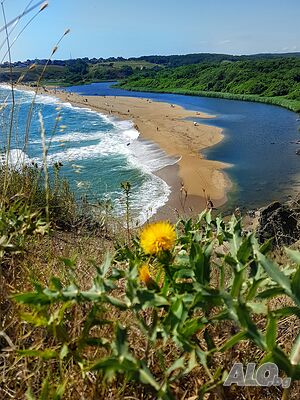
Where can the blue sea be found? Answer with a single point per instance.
(99, 152)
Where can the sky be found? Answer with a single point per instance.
(132, 28)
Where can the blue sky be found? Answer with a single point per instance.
(142, 27)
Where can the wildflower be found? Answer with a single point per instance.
(144, 276)
(158, 237)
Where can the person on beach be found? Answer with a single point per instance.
(183, 195)
(209, 203)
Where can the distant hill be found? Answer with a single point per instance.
(270, 77)
(187, 59)
(168, 60)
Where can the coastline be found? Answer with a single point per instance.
(167, 126)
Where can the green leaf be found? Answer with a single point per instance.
(184, 273)
(94, 341)
(192, 362)
(245, 250)
(177, 308)
(246, 322)
(266, 246)
(147, 378)
(45, 390)
(274, 272)
(200, 262)
(191, 327)
(293, 255)
(47, 354)
(34, 319)
(237, 283)
(295, 352)
(271, 332)
(60, 390)
(282, 361)
(121, 340)
(269, 293)
(296, 284)
(63, 352)
(71, 263)
(237, 338)
(286, 312)
(56, 283)
(209, 340)
(32, 298)
(117, 303)
(178, 364)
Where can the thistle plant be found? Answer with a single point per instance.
(171, 289)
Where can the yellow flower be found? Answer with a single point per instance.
(144, 274)
(158, 237)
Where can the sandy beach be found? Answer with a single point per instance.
(167, 126)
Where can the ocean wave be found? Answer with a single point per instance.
(114, 137)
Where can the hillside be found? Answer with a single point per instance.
(275, 80)
(78, 71)
(263, 75)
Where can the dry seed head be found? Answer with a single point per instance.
(21, 78)
(54, 49)
(32, 66)
(45, 5)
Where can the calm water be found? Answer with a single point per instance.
(258, 142)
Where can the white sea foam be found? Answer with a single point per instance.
(119, 138)
(15, 158)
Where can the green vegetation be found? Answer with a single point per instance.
(275, 81)
(76, 71)
(164, 316)
(267, 78)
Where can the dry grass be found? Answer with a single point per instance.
(42, 260)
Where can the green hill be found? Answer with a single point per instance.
(274, 80)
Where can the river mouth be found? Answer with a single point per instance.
(260, 142)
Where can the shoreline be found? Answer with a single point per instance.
(166, 125)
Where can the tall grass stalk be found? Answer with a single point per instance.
(29, 118)
(45, 165)
(15, 21)
(13, 103)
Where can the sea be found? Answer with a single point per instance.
(97, 152)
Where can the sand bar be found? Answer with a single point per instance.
(167, 125)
